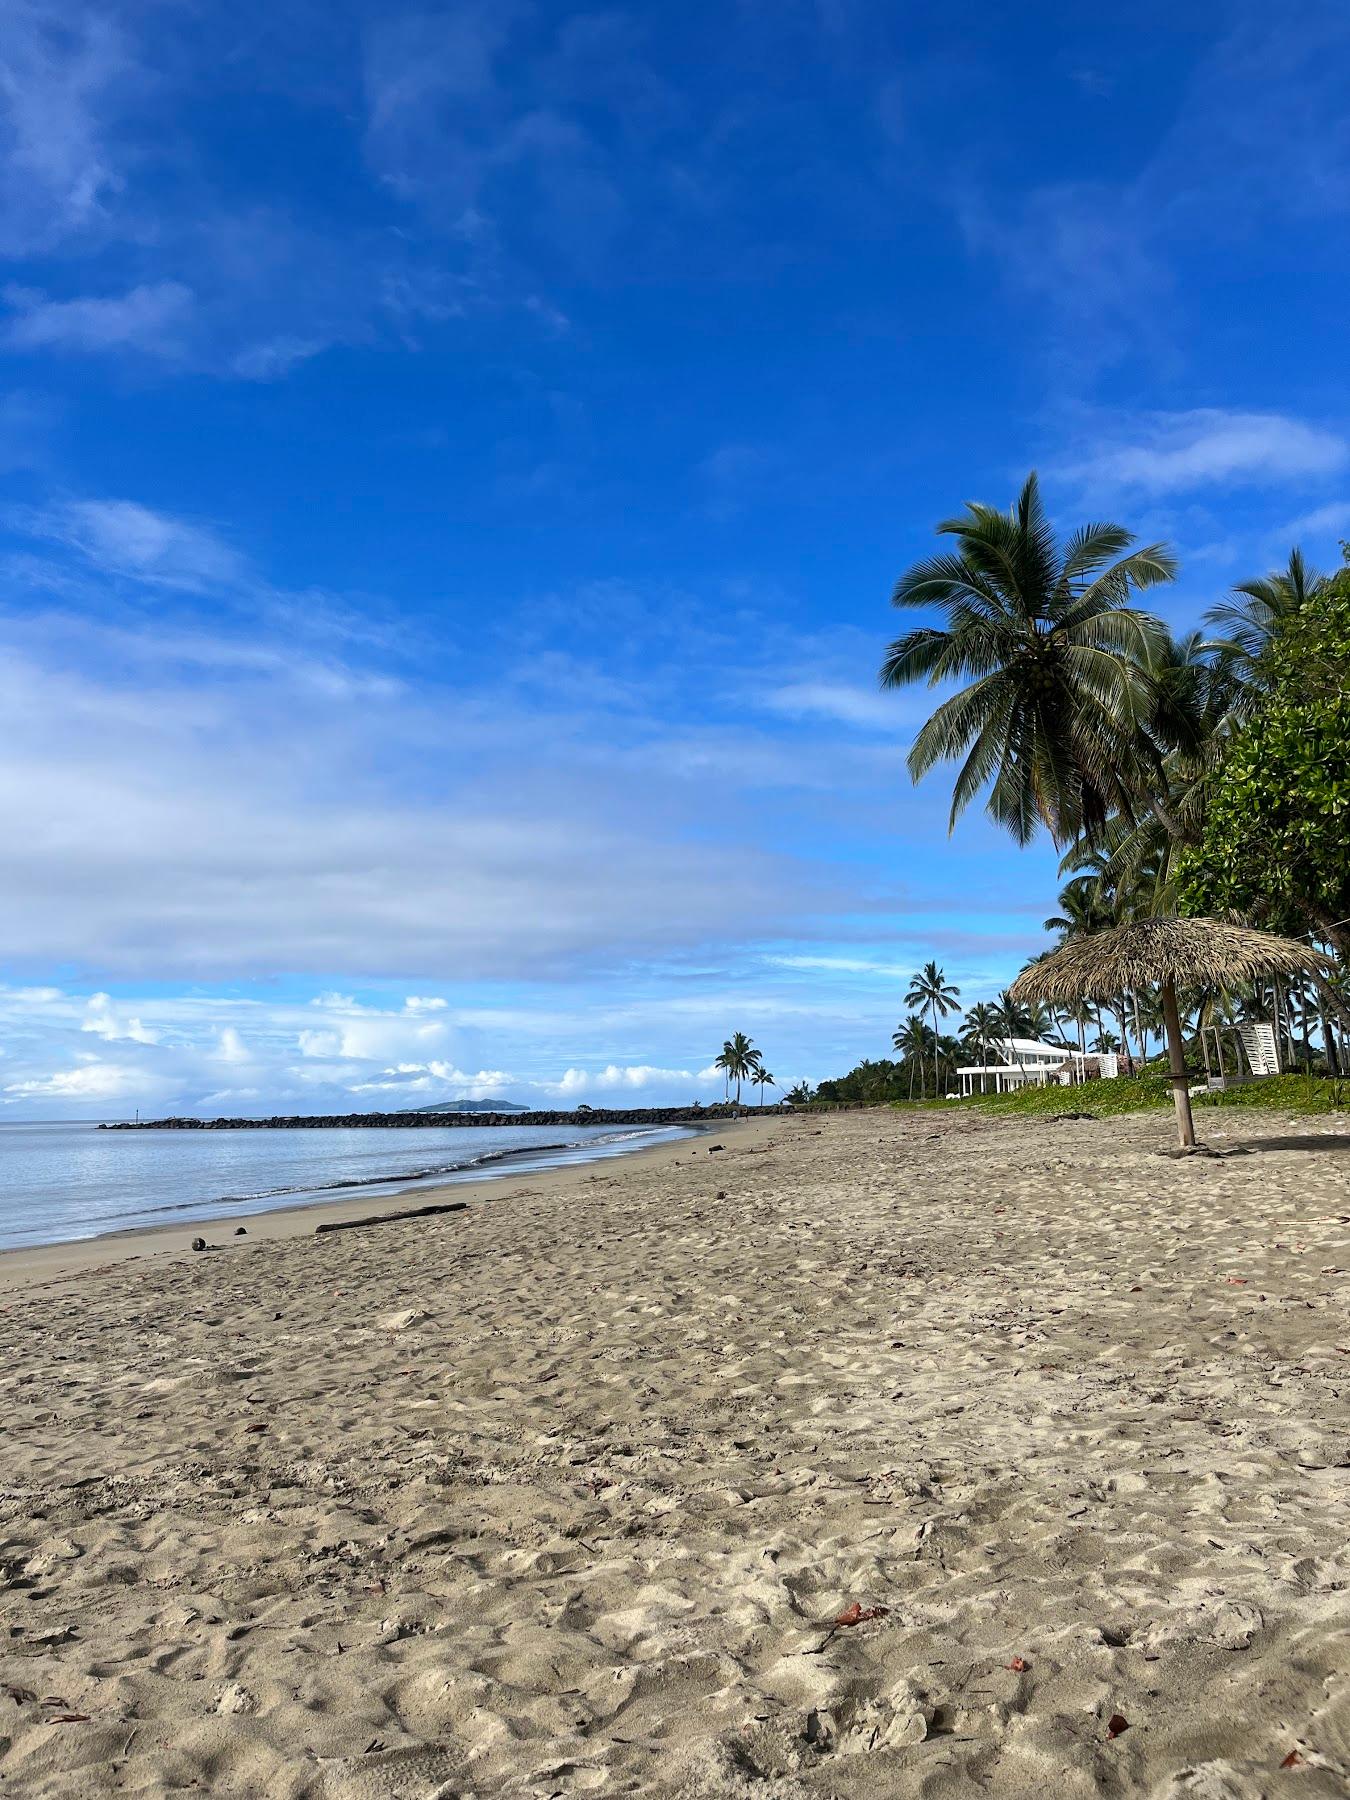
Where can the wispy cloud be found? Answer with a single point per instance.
(65, 72)
(275, 358)
(122, 537)
(1168, 453)
(149, 319)
(1101, 258)
(848, 703)
(1329, 521)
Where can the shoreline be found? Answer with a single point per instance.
(25, 1264)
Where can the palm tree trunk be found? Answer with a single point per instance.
(933, 1010)
(1328, 1040)
(1176, 1057)
(1124, 1034)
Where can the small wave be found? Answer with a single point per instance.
(399, 1178)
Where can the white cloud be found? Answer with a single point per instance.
(91, 1081)
(846, 702)
(442, 1079)
(150, 319)
(107, 1022)
(1332, 521)
(613, 1078)
(1165, 453)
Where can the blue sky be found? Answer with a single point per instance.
(455, 463)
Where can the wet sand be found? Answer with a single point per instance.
(871, 1455)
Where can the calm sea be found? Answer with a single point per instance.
(63, 1181)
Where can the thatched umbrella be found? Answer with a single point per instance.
(1167, 954)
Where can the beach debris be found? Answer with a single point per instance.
(405, 1320)
(415, 1212)
(858, 1614)
(200, 1244)
(1116, 1724)
(235, 1699)
(1017, 1665)
(858, 1726)
(712, 1147)
(21, 1696)
(819, 1729)
(239, 1231)
(1291, 1761)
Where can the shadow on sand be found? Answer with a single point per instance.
(1333, 1140)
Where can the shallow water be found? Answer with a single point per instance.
(65, 1181)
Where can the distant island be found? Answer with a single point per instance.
(466, 1106)
(418, 1117)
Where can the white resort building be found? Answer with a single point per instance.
(1023, 1060)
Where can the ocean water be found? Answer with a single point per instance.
(65, 1181)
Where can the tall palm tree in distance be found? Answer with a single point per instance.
(1057, 660)
(762, 1079)
(980, 1025)
(911, 1040)
(1014, 1021)
(931, 988)
(739, 1060)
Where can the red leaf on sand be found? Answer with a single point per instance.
(858, 1614)
(1236, 1280)
(1291, 1761)
(1116, 1724)
(1017, 1665)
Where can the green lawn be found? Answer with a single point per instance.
(1105, 1099)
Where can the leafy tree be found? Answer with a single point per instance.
(762, 1079)
(1058, 664)
(870, 1083)
(801, 1093)
(1273, 847)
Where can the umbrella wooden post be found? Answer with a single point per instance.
(1181, 1096)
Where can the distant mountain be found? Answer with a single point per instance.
(468, 1106)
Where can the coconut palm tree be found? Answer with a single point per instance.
(739, 1061)
(1014, 1021)
(762, 1079)
(911, 1040)
(1057, 659)
(1197, 704)
(931, 988)
(1249, 620)
(980, 1024)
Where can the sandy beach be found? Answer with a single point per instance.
(868, 1455)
